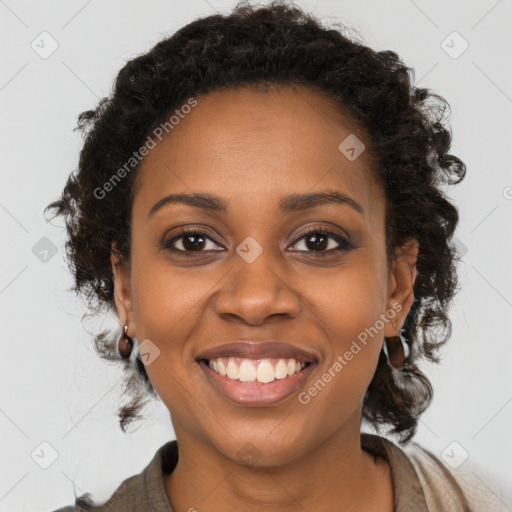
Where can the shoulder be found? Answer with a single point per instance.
(143, 491)
(449, 482)
(130, 495)
(426, 482)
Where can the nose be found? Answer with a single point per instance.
(254, 292)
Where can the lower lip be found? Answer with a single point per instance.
(256, 394)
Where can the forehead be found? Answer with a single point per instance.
(254, 145)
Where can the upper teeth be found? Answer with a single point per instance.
(250, 370)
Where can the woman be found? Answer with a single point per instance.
(259, 201)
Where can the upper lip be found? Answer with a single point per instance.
(259, 350)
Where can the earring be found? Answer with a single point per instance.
(396, 349)
(124, 344)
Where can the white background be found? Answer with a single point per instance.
(54, 386)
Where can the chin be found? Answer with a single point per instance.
(262, 453)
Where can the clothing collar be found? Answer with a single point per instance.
(408, 492)
(408, 495)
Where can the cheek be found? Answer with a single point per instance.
(167, 311)
(349, 302)
(349, 308)
(167, 300)
(349, 321)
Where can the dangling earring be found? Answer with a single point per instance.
(396, 349)
(124, 344)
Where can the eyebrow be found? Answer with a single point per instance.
(291, 203)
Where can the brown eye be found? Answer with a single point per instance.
(316, 240)
(190, 241)
(321, 240)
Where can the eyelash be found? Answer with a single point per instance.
(344, 245)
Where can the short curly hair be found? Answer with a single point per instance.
(279, 44)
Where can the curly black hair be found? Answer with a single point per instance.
(408, 135)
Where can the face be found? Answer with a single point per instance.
(267, 266)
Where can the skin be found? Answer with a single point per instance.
(252, 147)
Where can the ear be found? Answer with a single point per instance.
(401, 283)
(122, 291)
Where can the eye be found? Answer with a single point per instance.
(316, 240)
(190, 241)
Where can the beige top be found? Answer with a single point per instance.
(421, 482)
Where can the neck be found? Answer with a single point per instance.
(336, 471)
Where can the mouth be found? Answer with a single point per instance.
(259, 350)
(257, 374)
(262, 371)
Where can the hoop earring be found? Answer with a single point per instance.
(124, 344)
(396, 349)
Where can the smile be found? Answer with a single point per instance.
(249, 370)
(256, 382)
